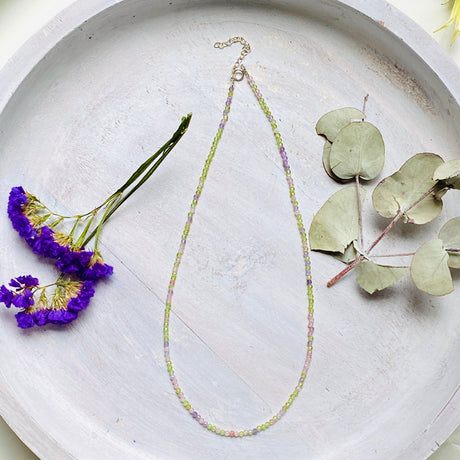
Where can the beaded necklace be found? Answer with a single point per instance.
(238, 74)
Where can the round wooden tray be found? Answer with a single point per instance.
(103, 86)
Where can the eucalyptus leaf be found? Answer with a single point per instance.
(349, 255)
(335, 225)
(450, 236)
(358, 150)
(374, 277)
(332, 122)
(401, 190)
(430, 270)
(327, 162)
(449, 173)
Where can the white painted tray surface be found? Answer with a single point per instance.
(102, 87)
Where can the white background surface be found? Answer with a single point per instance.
(20, 19)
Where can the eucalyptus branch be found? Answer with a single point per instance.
(348, 268)
(405, 254)
(360, 208)
(395, 219)
(355, 151)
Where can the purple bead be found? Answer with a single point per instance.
(194, 414)
(309, 282)
(255, 431)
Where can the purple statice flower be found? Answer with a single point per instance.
(24, 319)
(45, 244)
(74, 262)
(24, 281)
(97, 271)
(6, 296)
(82, 264)
(17, 203)
(20, 296)
(63, 312)
(23, 300)
(61, 316)
(81, 301)
(40, 317)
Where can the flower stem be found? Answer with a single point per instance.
(142, 174)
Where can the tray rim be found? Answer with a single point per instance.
(17, 68)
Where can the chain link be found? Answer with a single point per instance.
(238, 68)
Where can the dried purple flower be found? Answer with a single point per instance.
(45, 244)
(68, 300)
(17, 204)
(74, 262)
(23, 300)
(6, 296)
(22, 295)
(61, 316)
(96, 271)
(24, 281)
(81, 301)
(24, 320)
